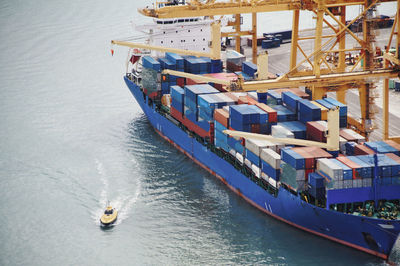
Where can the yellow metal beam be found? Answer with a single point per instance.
(327, 80)
(241, 7)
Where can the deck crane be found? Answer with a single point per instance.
(322, 76)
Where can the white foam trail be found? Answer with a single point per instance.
(122, 203)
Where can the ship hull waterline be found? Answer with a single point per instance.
(373, 236)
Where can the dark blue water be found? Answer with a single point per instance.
(72, 137)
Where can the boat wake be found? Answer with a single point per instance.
(122, 203)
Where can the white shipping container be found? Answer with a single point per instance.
(330, 168)
(279, 131)
(342, 145)
(239, 94)
(272, 182)
(226, 108)
(358, 137)
(264, 176)
(323, 123)
(256, 170)
(271, 157)
(232, 152)
(256, 145)
(247, 163)
(239, 157)
(253, 95)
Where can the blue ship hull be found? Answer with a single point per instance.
(374, 236)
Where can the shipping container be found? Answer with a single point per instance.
(290, 100)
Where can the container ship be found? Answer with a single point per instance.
(291, 157)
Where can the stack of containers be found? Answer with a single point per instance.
(290, 100)
(361, 149)
(151, 76)
(316, 131)
(331, 169)
(270, 165)
(296, 127)
(244, 75)
(382, 147)
(272, 114)
(207, 103)
(367, 167)
(249, 68)
(220, 138)
(167, 80)
(253, 148)
(234, 61)
(278, 131)
(192, 65)
(331, 103)
(356, 169)
(324, 110)
(311, 155)
(248, 118)
(292, 166)
(180, 66)
(316, 185)
(274, 98)
(308, 111)
(351, 135)
(350, 146)
(192, 93)
(262, 97)
(284, 114)
(347, 175)
(177, 102)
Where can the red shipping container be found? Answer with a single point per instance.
(315, 131)
(251, 101)
(176, 114)
(243, 100)
(350, 164)
(347, 136)
(311, 154)
(233, 67)
(180, 82)
(361, 149)
(222, 117)
(308, 171)
(272, 114)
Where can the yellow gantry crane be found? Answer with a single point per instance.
(320, 75)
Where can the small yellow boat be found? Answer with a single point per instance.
(109, 217)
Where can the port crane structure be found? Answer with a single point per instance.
(319, 75)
